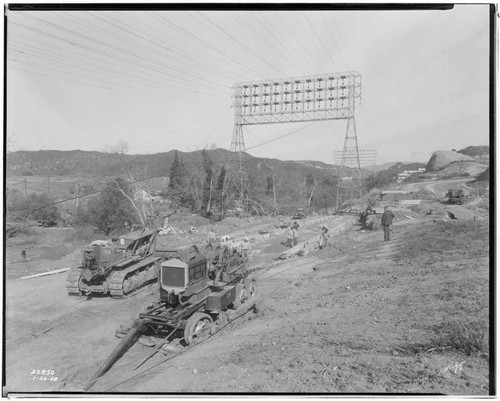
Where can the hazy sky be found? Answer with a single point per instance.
(162, 80)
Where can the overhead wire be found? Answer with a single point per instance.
(319, 41)
(175, 130)
(80, 45)
(207, 80)
(199, 94)
(340, 36)
(114, 69)
(280, 137)
(132, 90)
(241, 44)
(106, 54)
(204, 43)
(287, 51)
(198, 65)
(332, 36)
(66, 60)
(194, 59)
(305, 48)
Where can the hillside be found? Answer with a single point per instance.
(97, 167)
(474, 151)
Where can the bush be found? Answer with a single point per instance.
(35, 206)
(466, 337)
(111, 212)
(15, 230)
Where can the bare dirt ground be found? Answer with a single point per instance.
(361, 316)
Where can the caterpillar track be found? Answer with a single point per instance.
(133, 277)
(73, 282)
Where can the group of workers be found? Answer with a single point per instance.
(293, 230)
(293, 235)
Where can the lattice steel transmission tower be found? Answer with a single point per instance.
(349, 185)
(236, 183)
(298, 99)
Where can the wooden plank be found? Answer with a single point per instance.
(45, 274)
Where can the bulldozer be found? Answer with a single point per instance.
(134, 261)
(455, 196)
(190, 302)
(117, 268)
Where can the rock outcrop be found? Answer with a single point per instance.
(443, 158)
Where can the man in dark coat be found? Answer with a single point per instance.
(387, 217)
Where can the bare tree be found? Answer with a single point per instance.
(273, 183)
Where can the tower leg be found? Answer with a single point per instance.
(236, 184)
(349, 189)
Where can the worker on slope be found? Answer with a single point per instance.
(289, 239)
(387, 217)
(323, 239)
(295, 235)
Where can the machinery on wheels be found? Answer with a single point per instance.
(195, 293)
(117, 269)
(455, 196)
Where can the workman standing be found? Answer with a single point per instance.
(323, 240)
(295, 235)
(387, 217)
(289, 239)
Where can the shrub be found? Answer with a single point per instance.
(15, 230)
(467, 337)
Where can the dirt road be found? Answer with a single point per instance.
(47, 330)
(440, 187)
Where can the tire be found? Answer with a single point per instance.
(241, 297)
(252, 289)
(198, 328)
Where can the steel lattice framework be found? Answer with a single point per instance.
(300, 99)
(366, 157)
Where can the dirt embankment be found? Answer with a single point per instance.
(361, 316)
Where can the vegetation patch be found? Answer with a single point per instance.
(465, 337)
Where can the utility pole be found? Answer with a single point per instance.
(48, 184)
(25, 188)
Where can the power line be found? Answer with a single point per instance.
(203, 42)
(194, 60)
(106, 54)
(297, 40)
(319, 40)
(332, 36)
(280, 137)
(175, 130)
(340, 36)
(252, 31)
(161, 46)
(134, 91)
(241, 44)
(79, 64)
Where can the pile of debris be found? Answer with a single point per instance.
(426, 195)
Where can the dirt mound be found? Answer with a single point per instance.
(443, 158)
(463, 213)
(463, 169)
(484, 176)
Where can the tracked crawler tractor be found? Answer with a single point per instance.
(194, 302)
(116, 269)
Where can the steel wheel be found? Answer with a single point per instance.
(198, 328)
(252, 289)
